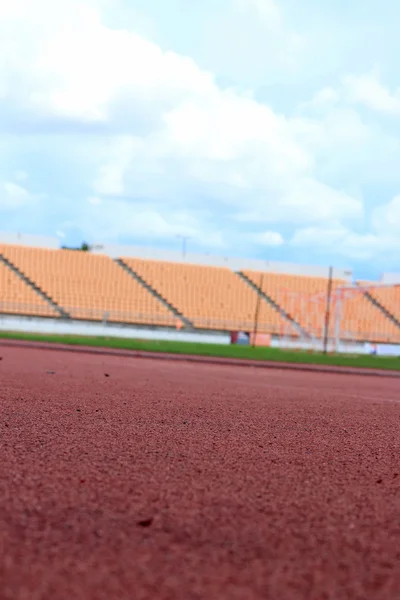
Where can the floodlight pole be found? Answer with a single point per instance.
(184, 239)
(258, 303)
(338, 317)
(328, 310)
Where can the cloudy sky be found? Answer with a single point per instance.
(259, 128)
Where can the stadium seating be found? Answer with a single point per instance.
(94, 287)
(16, 297)
(388, 297)
(304, 298)
(89, 286)
(362, 320)
(211, 297)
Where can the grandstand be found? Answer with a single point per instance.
(87, 286)
(139, 287)
(16, 297)
(210, 297)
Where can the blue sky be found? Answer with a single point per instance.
(260, 128)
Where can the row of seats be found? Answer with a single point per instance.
(304, 298)
(210, 297)
(88, 286)
(92, 286)
(359, 314)
(389, 298)
(16, 297)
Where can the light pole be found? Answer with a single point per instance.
(328, 310)
(184, 239)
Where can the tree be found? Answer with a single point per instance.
(84, 247)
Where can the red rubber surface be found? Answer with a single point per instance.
(213, 360)
(170, 480)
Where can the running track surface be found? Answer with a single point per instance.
(170, 480)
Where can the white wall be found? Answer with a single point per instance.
(57, 326)
(236, 264)
(28, 239)
(390, 278)
(343, 347)
(388, 350)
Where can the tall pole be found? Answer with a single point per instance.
(184, 239)
(258, 303)
(328, 310)
(338, 316)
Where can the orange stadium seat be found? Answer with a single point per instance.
(16, 297)
(89, 286)
(304, 298)
(363, 321)
(388, 297)
(211, 297)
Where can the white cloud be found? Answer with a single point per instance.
(268, 10)
(305, 201)
(200, 137)
(20, 175)
(386, 219)
(110, 175)
(323, 100)
(13, 196)
(351, 150)
(159, 147)
(114, 218)
(346, 243)
(120, 77)
(323, 202)
(247, 42)
(381, 244)
(268, 238)
(367, 90)
(94, 200)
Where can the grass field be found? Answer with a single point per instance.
(242, 352)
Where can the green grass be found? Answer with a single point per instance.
(244, 352)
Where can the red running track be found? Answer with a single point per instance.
(170, 480)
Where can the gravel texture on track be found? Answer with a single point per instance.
(125, 478)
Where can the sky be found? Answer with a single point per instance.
(255, 128)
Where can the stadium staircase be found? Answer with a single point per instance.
(382, 308)
(154, 292)
(63, 313)
(302, 332)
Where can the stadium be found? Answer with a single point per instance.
(195, 427)
(199, 300)
(145, 292)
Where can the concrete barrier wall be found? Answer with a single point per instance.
(89, 328)
(343, 347)
(72, 327)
